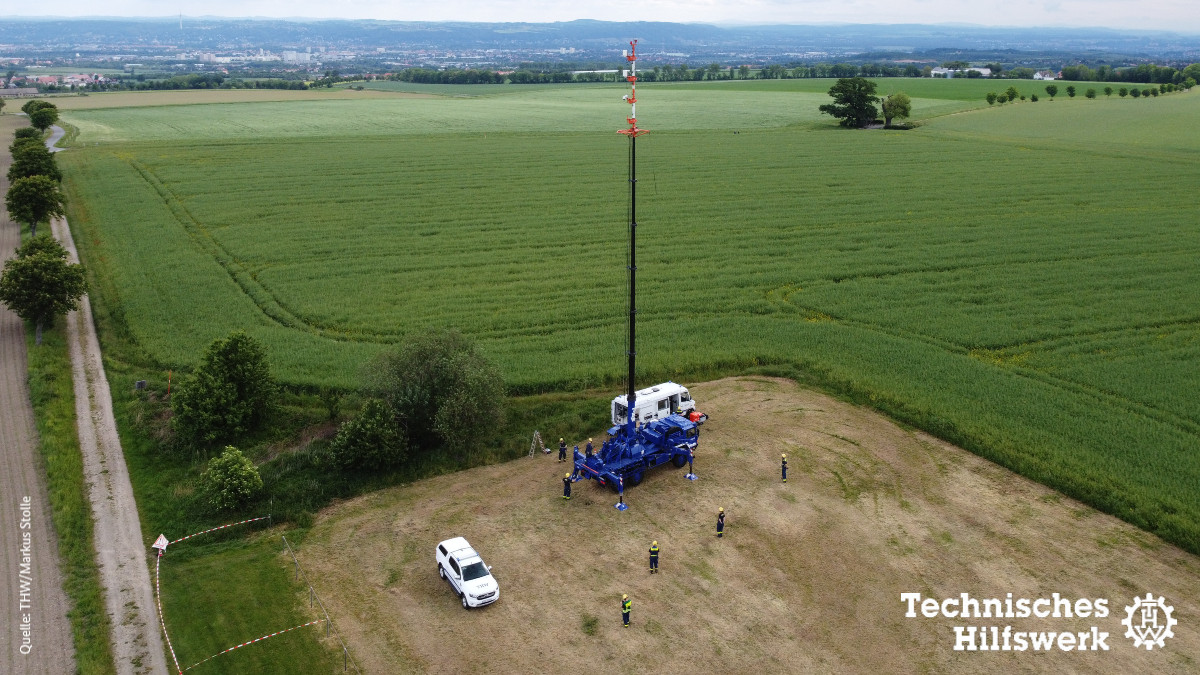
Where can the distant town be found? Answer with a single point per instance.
(94, 54)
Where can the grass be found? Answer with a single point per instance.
(50, 389)
(216, 596)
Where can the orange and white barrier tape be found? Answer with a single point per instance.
(161, 619)
(214, 529)
(252, 642)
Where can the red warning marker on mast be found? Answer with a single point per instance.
(631, 77)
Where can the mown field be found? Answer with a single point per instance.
(1018, 280)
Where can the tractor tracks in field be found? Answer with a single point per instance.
(33, 605)
(783, 297)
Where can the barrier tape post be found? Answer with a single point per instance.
(346, 661)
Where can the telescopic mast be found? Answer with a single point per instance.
(632, 132)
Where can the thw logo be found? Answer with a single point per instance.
(1148, 621)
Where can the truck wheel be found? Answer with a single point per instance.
(464, 601)
(679, 461)
(635, 478)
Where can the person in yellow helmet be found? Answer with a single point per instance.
(566, 486)
(720, 522)
(783, 458)
(626, 605)
(562, 450)
(589, 448)
(654, 557)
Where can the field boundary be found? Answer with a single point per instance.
(313, 597)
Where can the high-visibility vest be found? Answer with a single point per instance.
(626, 605)
(653, 551)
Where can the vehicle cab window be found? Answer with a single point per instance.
(454, 566)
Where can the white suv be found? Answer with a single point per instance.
(472, 580)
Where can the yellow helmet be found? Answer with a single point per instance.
(784, 455)
(566, 475)
(589, 440)
(654, 543)
(560, 440)
(721, 509)
(624, 596)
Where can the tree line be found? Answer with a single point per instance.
(38, 284)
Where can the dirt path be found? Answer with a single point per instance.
(808, 578)
(29, 564)
(120, 549)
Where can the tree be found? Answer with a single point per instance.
(1052, 90)
(43, 117)
(1090, 93)
(1135, 92)
(27, 132)
(1012, 93)
(991, 98)
(39, 284)
(898, 106)
(228, 394)
(1071, 91)
(1, 106)
(854, 102)
(1122, 92)
(34, 104)
(230, 480)
(1033, 98)
(34, 200)
(1108, 91)
(440, 390)
(373, 440)
(31, 158)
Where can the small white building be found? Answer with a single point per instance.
(1043, 75)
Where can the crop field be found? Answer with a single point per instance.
(1019, 280)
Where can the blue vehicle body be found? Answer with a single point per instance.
(630, 451)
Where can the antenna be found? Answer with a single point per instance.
(632, 132)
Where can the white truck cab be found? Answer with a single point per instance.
(470, 578)
(653, 403)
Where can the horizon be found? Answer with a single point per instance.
(1168, 16)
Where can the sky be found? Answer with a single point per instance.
(1173, 15)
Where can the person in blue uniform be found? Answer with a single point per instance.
(654, 557)
(626, 605)
(589, 447)
(562, 450)
(783, 459)
(566, 486)
(721, 522)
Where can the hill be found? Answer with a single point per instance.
(808, 579)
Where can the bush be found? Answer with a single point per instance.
(442, 392)
(228, 394)
(230, 481)
(27, 132)
(370, 441)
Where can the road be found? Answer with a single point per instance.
(29, 563)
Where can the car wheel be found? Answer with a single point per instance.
(442, 572)
(464, 601)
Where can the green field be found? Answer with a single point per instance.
(1019, 280)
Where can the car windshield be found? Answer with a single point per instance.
(474, 571)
